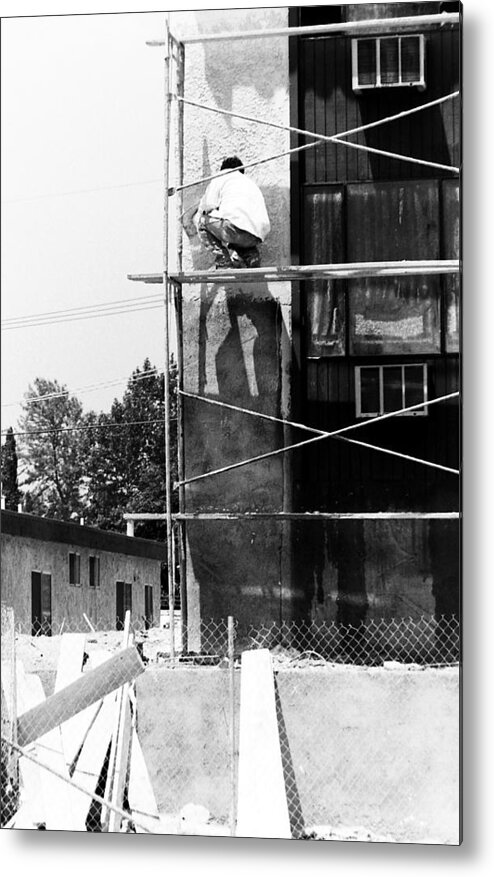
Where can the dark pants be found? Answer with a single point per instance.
(231, 246)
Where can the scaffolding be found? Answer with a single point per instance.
(174, 83)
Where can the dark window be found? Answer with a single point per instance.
(381, 389)
(449, 7)
(390, 222)
(124, 602)
(41, 603)
(74, 568)
(148, 606)
(94, 571)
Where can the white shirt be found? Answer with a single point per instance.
(237, 198)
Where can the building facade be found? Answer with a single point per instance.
(326, 353)
(54, 573)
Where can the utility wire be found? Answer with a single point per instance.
(86, 427)
(80, 191)
(88, 316)
(151, 373)
(83, 308)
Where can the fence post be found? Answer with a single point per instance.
(233, 752)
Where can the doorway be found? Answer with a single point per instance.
(41, 603)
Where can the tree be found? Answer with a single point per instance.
(52, 449)
(126, 455)
(10, 486)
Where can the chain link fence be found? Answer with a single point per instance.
(153, 743)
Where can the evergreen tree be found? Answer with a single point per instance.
(126, 455)
(10, 486)
(53, 450)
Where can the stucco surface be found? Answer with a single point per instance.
(236, 338)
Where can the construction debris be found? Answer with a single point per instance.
(80, 761)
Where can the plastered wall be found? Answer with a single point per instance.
(22, 556)
(236, 338)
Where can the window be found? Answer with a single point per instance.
(388, 61)
(74, 568)
(124, 602)
(380, 389)
(394, 316)
(40, 603)
(94, 571)
(148, 606)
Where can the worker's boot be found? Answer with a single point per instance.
(235, 258)
(251, 257)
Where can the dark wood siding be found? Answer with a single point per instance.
(357, 206)
(330, 106)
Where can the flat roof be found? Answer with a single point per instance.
(51, 530)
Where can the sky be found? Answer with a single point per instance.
(82, 200)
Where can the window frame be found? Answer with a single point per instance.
(358, 87)
(381, 367)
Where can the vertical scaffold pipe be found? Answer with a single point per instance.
(182, 527)
(166, 288)
(233, 733)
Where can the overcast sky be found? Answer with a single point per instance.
(82, 159)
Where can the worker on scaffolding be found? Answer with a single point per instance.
(231, 218)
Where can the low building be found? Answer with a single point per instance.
(55, 572)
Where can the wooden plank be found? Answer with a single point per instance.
(119, 752)
(41, 785)
(91, 757)
(262, 805)
(122, 759)
(123, 667)
(69, 668)
(32, 808)
(142, 800)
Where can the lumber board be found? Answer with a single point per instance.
(118, 761)
(262, 808)
(142, 800)
(91, 757)
(55, 793)
(122, 759)
(69, 668)
(32, 805)
(123, 667)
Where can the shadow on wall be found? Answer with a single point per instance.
(258, 66)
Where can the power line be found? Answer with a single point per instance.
(88, 316)
(86, 389)
(87, 427)
(80, 191)
(83, 308)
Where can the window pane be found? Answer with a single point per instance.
(414, 384)
(325, 318)
(389, 61)
(394, 316)
(369, 391)
(392, 388)
(366, 62)
(410, 59)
